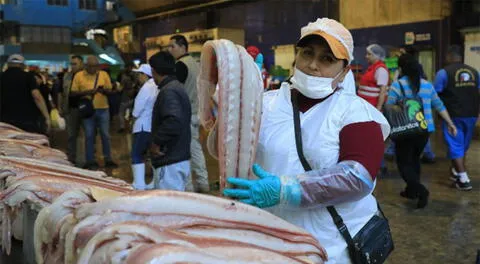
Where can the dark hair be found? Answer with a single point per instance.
(317, 40)
(130, 64)
(78, 57)
(181, 41)
(409, 66)
(410, 50)
(37, 74)
(163, 63)
(455, 50)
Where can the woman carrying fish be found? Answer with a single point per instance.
(319, 149)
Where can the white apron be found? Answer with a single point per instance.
(320, 128)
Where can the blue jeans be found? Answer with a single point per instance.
(140, 144)
(390, 148)
(100, 120)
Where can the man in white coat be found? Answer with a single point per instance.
(142, 127)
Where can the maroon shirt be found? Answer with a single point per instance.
(361, 142)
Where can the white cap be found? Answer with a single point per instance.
(16, 58)
(337, 36)
(145, 69)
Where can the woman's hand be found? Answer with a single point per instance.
(452, 129)
(155, 150)
(262, 193)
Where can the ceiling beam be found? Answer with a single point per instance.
(183, 9)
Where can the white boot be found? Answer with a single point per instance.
(138, 176)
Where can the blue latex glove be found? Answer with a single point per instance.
(264, 192)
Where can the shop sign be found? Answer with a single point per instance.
(475, 49)
(411, 37)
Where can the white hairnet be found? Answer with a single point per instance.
(377, 51)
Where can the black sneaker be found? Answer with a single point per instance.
(464, 186)
(91, 166)
(110, 164)
(423, 195)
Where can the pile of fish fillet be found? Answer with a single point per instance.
(88, 217)
(166, 227)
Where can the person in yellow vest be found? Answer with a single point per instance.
(186, 69)
(96, 85)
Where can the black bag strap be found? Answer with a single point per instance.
(402, 92)
(95, 83)
(337, 219)
(298, 133)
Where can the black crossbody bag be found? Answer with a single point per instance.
(373, 243)
(85, 104)
(406, 117)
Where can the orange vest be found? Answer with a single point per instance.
(368, 89)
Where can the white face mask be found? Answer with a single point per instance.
(312, 86)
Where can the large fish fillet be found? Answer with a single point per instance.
(234, 133)
(116, 240)
(40, 190)
(28, 149)
(51, 223)
(15, 133)
(21, 167)
(209, 253)
(179, 210)
(8, 126)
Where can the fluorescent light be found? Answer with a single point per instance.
(108, 58)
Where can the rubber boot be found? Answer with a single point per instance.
(138, 176)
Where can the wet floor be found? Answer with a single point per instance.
(446, 231)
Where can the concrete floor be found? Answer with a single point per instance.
(446, 231)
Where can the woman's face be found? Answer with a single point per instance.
(370, 57)
(318, 60)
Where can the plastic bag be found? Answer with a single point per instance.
(56, 120)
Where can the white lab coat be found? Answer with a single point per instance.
(320, 126)
(143, 106)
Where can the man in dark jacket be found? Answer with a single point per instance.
(458, 85)
(171, 133)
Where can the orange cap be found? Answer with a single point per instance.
(338, 49)
(337, 36)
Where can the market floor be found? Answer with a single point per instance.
(446, 231)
